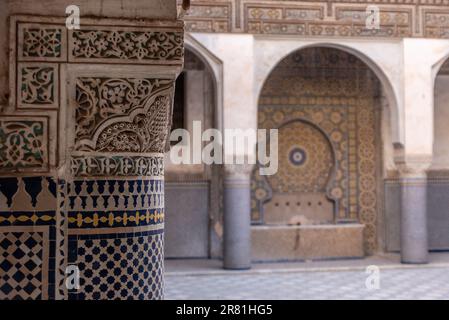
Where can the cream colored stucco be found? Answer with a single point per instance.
(405, 67)
(441, 143)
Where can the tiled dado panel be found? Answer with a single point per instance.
(341, 18)
(31, 260)
(192, 197)
(113, 224)
(119, 266)
(437, 211)
(116, 237)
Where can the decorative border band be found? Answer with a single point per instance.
(148, 166)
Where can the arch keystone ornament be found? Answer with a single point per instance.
(86, 130)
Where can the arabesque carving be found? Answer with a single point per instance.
(320, 18)
(22, 144)
(127, 45)
(122, 115)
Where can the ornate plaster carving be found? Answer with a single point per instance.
(336, 18)
(122, 114)
(151, 166)
(23, 144)
(38, 85)
(115, 45)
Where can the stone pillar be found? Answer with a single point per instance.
(414, 238)
(237, 218)
(418, 143)
(82, 146)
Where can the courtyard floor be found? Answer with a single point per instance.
(343, 279)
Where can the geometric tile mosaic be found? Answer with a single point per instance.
(28, 238)
(115, 203)
(113, 194)
(23, 265)
(106, 219)
(118, 266)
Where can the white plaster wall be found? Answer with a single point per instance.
(420, 58)
(236, 53)
(195, 109)
(405, 68)
(441, 143)
(387, 141)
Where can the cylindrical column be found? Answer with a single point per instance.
(414, 240)
(237, 219)
(116, 198)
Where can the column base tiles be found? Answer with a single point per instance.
(112, 230)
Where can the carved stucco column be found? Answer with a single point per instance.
(81, 157)
(414, 236)
(237, 217)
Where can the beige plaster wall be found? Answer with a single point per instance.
(197, 108)
(388, 154)
(441, 143)
(419, 59)
(236, 53)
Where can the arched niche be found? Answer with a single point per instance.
(340, 95)
(302, 187)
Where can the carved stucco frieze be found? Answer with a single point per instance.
(336, 18)
(105, 165)
(114, 114)
(122, 114)
(37, 42)
(37, 85)
(155, 46)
